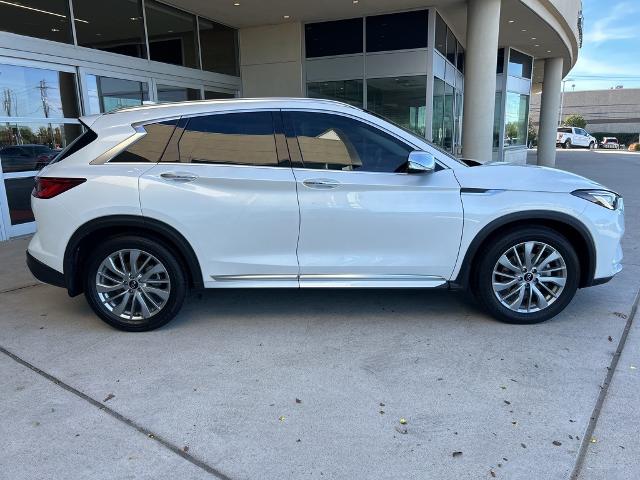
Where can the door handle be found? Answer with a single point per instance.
(321, 183)
(179, 177)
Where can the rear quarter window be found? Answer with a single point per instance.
(150, 147)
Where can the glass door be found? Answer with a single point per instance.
(38, 118)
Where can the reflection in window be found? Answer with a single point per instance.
(437, 127)
(441, 35)
(19, 199)
(348, 91)
(106, 94)
(400, 99)
(219, 48)
(497, 116)
(460, 58)
(35, 92)
(397, 31)
(234, 138)
(457, 123)
(98, 31)
(47, 19)
(212, 95)
(500, 64)
(451, 47)
(169, 93)
(340, 37)
(334, 142)
(515, 119)
(149, 147)
(520, 65)
(172, 35)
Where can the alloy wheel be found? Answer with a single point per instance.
(529, 277)
(133, 285)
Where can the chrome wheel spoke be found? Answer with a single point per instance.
(528, 255)
(541, 302)
(498, 286)
(560, 281)
(505, 262)
(133, 285)
(517, 303)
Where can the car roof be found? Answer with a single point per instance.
(149, 112)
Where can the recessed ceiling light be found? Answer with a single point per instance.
(355, 2)
(236, 4)
(536, 45)
(548, 51)
(286, 17)
(55, 29)
(511, 21)
(523, 30)
(533, 38)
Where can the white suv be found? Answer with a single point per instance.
(569, 137)
(152, 201)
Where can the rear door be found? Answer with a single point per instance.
(226, 184)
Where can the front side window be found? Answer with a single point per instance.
(151, 146)
(245, 138)
(334, 142)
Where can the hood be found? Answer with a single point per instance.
(505, 176)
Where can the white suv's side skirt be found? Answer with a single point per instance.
(327, 281)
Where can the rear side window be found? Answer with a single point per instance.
(564, 130)
(78, 144)
(245, 138)
(151, 146)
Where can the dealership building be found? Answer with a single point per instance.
(459, 73)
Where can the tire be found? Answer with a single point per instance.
(566, 144)
(160, 284)
(592, 146)
(532, 307)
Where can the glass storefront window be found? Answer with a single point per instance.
(47, 19)
(212, 95)
(340, 37)
(497, 115)
(451, 47)
(460, 58)
(397, 31)
(441, 35)
(500, 64)
(172, 35)
(457, 122)
(520, 65)
(36, 92)
(348, 91)
(515, 119)
(106, 94)
(115, 26)
(437, 131)
(169, 93)
(402, 100)
(219, 50)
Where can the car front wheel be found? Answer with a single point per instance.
(134, 284)
(527, 276)
(567, 144)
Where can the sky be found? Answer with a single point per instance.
(610, 53)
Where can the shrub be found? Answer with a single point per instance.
(634, 147)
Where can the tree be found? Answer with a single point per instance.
(575, 121)
(532, 134)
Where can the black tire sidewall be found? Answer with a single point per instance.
(484, 274)
(161, 252)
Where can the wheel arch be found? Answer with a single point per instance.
(77, 248)
(574, 230)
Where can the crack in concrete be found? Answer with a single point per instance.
(23, 287)
(595, 414)
(118, 416)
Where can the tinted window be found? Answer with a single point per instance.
(106, 94)
(564, 130)
(397, 31)
(172, 35)
(231, 138)
(500, 64)
(48, 19)
(441, 35)
(519, 64)
(460, 58)
(451, 47)
(151, 146)
(95, 23)
(348, 91)
(211, 95)
(340, 37)
(78, 144)
(169, 93)
(334, 142)
(219, 47)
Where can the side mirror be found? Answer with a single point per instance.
(421, 162)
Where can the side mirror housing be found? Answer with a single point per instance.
(421, 162)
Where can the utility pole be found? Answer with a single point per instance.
(43, 96)
(562, 99)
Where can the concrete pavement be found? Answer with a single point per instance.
(225, 378)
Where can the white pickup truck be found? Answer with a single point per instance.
(569, 137)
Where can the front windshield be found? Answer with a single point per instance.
(415, 135)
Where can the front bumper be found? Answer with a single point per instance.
(45, 273)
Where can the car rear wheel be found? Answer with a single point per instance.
(134, 284)
(527, 276)
(592, 146)
(567, 144)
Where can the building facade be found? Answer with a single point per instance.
(457, 72)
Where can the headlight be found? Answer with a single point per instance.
(604, 198)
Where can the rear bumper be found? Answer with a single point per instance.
(45, 273)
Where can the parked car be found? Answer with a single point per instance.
(152, 201)
(23, 158)
(610, 142)
(569, 137)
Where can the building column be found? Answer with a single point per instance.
(483, 26)
(549, 110)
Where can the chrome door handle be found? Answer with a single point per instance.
(321, 183)
(179, 177)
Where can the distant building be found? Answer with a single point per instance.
(606, 111)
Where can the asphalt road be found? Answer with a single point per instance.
(313, 384)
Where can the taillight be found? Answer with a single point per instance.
(48, 187)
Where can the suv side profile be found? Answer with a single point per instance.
(570, 137)
(260, 193)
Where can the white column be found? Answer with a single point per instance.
(483, 26)
(549, 108)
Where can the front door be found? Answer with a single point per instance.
(363, 221)
(226, 186)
